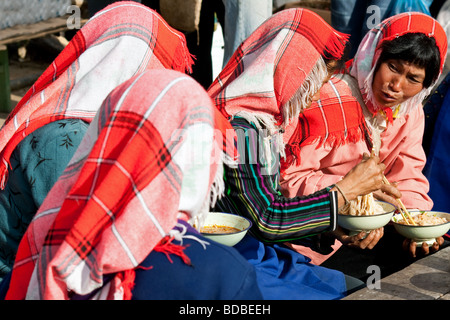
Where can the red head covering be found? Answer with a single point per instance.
(334, 120)
(271, 65)
(156, 134)
(123, 39)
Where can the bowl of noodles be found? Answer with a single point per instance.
(429, 225)
(365, 214)
(225, 228)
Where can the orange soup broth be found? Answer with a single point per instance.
(219, 229)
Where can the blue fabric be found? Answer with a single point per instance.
(242, 17)
(4, 285)
(285, 274)
(437, 168)
(217, 273)
(400, 6)
(357, 17)
(36, 163)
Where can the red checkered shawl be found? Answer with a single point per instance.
(269, 68)
(334, 120)
(149, 158)
(122, 40)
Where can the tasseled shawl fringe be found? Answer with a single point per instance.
(290, 111)
(303, 97)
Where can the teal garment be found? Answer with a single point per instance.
(36, 164)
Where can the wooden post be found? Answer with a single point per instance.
(5, 89)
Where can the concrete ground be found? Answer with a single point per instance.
(425, 279)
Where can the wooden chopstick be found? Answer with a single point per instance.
(404, 212)
(402, 207)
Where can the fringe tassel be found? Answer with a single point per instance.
(333, 140)
(183, 60)
(127, 278)
(303, 97)
(335, 46)
(167, 247)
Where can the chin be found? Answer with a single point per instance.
(382, 104)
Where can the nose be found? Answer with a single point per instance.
(395, 84)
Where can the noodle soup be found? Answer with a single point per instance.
(225, 228)
(219, 229)
(429, 226)
(363, 206)
(425, 219)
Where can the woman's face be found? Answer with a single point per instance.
(396, 81)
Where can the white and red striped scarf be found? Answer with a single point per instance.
(122, 40)
(152, 155)
(334, 120)
(276, 71)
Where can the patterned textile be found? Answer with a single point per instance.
(252, 190)
(334, 120)
(36, 163)
(365, 61)
(274, 73)
(156, 134)
(120, 41)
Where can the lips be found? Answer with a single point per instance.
(388, 97)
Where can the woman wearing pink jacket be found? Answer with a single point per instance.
(376, 107)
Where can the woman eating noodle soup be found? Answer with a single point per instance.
(376, 107)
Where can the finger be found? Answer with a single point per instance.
(391, 191)
(425, 248)
(361, 236)
(405, 245)
(366, 241)
(376, 235)
(355, 241)
(434, 247)
(412, 249)
(371, 240)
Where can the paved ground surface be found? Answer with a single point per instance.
(426, 279)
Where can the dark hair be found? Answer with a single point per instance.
(415, 48)
(340, 64)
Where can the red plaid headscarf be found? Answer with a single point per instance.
(152, 155)
(274, 72)
(334, 120)
(363, 66)
(120, 41)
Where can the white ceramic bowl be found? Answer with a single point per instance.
(356, 224)
(421, 234)
(229, 220)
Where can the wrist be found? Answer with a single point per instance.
(347, 189)
(339, 189)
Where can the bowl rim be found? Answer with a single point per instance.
(229, 233)
(373, 215)
(417, 210)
